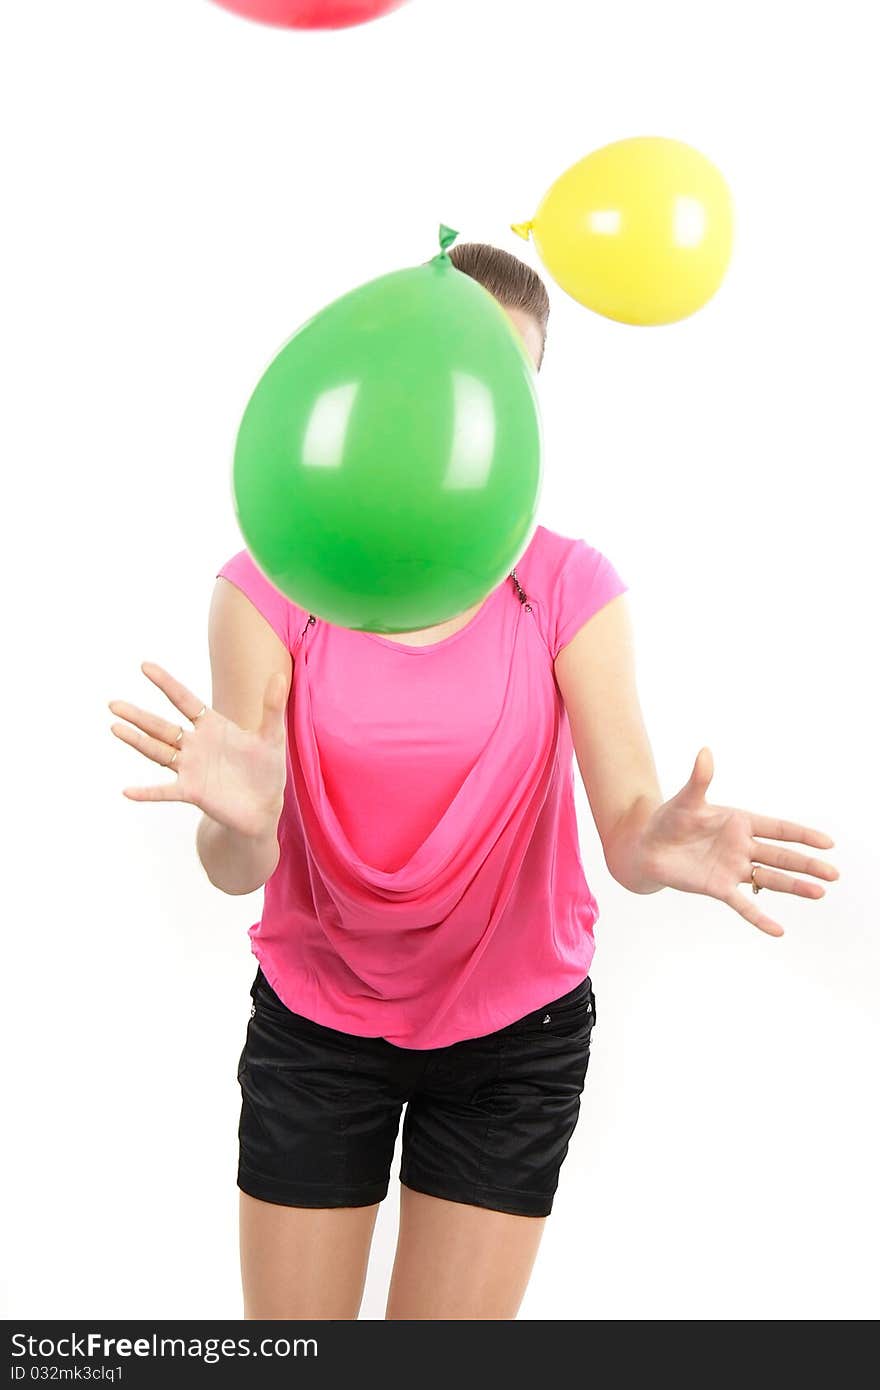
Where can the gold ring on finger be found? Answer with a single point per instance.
(172, 760)
(756, 887)
(202, 711)
(179, 736)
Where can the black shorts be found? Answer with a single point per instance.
(488, 1120)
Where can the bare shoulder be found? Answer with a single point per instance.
(596, 675)
(603, 641)
(245, 651)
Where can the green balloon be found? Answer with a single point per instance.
(388, 466)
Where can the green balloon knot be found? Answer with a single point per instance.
(447, 237)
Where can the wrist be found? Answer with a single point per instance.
(237, 859)
(630, 852)
(265, 829)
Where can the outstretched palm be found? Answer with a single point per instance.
(235, 776)
(699, 848)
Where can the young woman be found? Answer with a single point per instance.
(427, 929)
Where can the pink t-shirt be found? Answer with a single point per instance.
(430, 885)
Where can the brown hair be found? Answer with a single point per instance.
(513, 283)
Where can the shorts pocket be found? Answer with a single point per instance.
(267, 1006)
(569, 1019)
(269, 1013)
(264, 996)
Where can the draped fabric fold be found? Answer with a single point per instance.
(429, 886)
(432, 919)
(497, 795)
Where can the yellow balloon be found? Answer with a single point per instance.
(640, 231)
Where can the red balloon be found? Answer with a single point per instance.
(311, 14)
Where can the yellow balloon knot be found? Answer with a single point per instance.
(522, 229)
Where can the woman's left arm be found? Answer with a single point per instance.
(686, 842)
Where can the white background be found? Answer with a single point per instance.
(184, 188)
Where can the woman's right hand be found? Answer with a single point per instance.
(234, 776)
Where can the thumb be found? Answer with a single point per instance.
(703, 771)
(274, 705)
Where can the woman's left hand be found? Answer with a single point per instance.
(698, 848)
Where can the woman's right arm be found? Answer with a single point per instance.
(245, 653)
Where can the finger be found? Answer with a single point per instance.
(795, 863)
(701, 775)
(189, 704)
(153, 724)
(772, 828)
(151, 748)
(784, 883)
(168, 792)
(747, 909)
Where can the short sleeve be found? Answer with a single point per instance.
(275, 608)
(586, 582)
